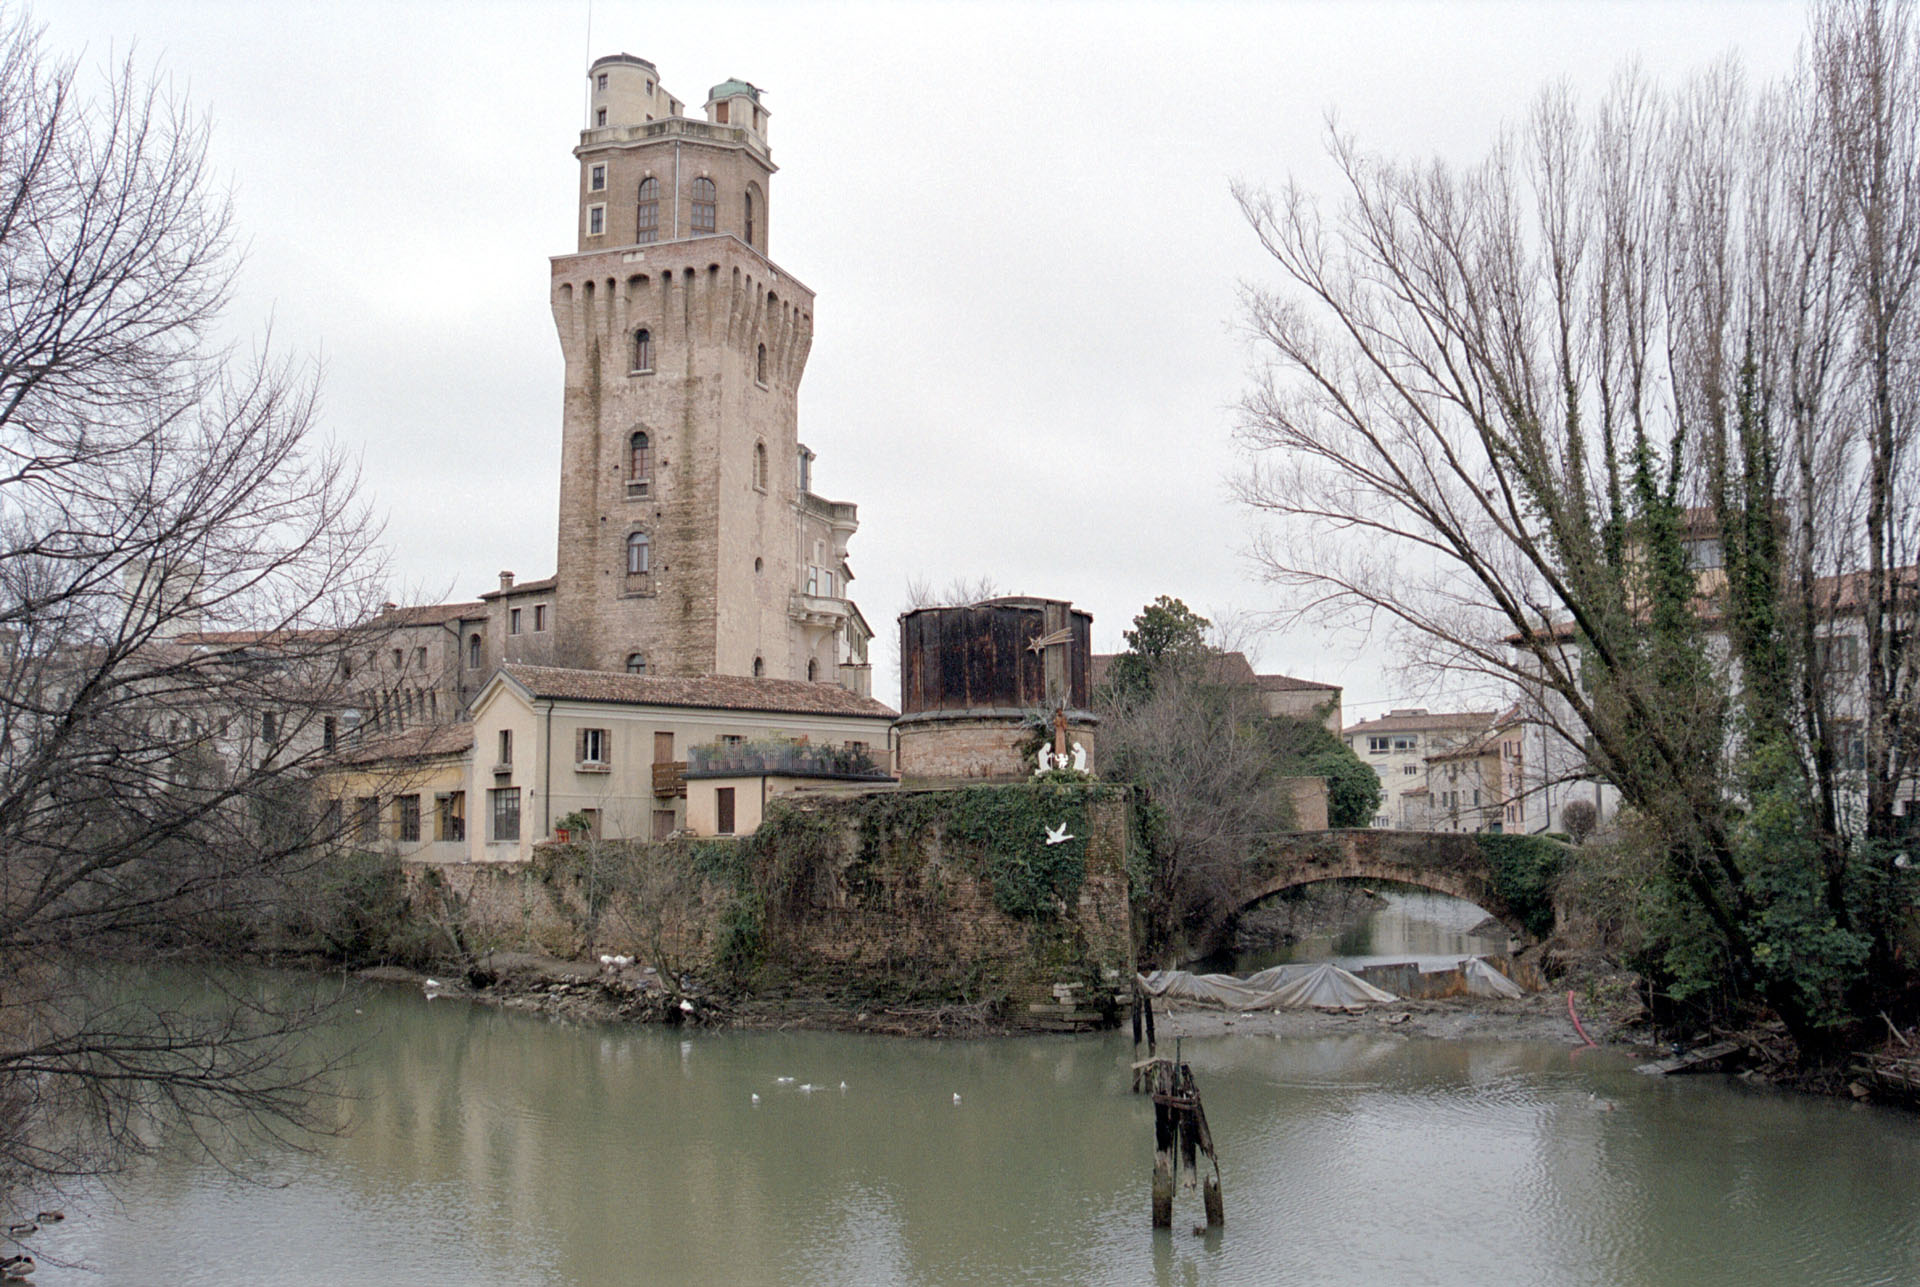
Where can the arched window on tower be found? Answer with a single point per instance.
(646, 223)
(639, 465)
(643, 350)
(751, 202)
(760, 466)
(705, 200)
(760, 365)
(636, 663)
(813, 669)
(473, 652)
(759, 668)
(639, 563)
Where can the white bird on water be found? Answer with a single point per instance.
(756, 1096)
(783, 1081)
(956, 1096)
(1058, 835)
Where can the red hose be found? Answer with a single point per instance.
(1576, 1021)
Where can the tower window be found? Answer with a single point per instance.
(646, 224)
(643, 350)
(719, 113)
(596, 220)
(813, 669)
(759, 667)
(600, 81)
(539, 617)
(704, 203)
(760, 466)
(513, 621)
(473, 652)
(752, 206)
(639, 464)
(597, 179)
(600, 117)
(639, 555)
(760, 366)
(636, 663)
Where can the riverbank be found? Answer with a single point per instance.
(636, 994)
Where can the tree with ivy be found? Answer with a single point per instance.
(1623, 417)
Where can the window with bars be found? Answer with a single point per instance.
(408, 809)
(504, 808)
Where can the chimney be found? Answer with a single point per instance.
(506, 580)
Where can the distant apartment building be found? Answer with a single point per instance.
(1397, 747)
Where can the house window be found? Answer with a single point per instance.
(1849, 745)
(760, 466)
(473, 652)
(639, 463)
(420, 657)
(704, 198)
(539, 617)
(1410, 770)
(759, 667)
(366, 819)
(636, 663)
(596, 220)
(504, 807)
(1406, 743)
(646, 223)
(597, 179)
(639, 555)
(506, 747)
(269, 728)
(1705, 553)
(643, 350)
(329, 732)
(409, 810)
(592, 745)
(1836, 654)
(723, 810)
(760, 366)
(450, 816)
(813, 669)
(1378, 745)
(513, 621)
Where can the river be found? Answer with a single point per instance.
(496, 1147)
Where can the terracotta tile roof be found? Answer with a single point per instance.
(1288, 684)
(430, 614)
(523, 587)
(1421, 721)
(413, 744)
(709, 692)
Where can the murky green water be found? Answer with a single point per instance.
(493, 1147)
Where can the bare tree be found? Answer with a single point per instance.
(1617, 416)
(959, 592)
(182, 567)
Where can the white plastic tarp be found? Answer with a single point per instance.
(1485, 981)
(1280, 988)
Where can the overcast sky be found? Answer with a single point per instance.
(1016, 218)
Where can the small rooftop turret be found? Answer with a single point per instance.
(627, 91)
(737, 102)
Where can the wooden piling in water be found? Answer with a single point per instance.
(1180, 1139)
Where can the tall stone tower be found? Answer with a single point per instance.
(690, 539)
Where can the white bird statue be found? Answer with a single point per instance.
(1058, 835)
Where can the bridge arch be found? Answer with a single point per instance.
(1447, 863)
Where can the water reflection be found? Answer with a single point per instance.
(493, 1147)
(1432, 930)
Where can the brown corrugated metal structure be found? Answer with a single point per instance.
(983, 657)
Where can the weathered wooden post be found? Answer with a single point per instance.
(1180, 1138)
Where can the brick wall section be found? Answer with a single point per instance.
(913, 919)
(977, 750)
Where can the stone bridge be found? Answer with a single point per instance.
(1447, 862)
